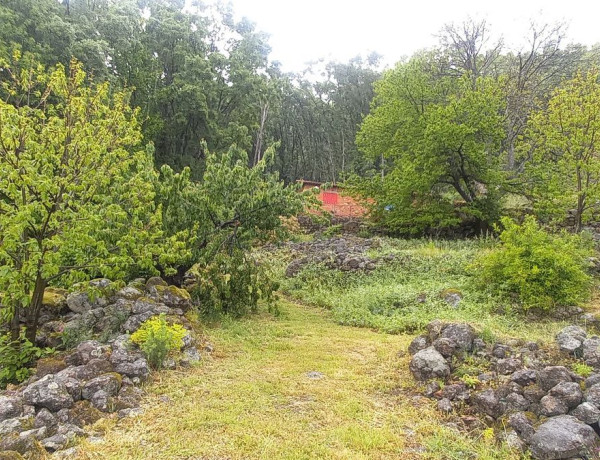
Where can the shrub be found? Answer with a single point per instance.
(157, 339)
(541, 269)
(16, 357)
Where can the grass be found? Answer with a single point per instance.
(253, 399)
(404, 295)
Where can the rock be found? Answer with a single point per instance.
(516, 402)
(174, 297)
(592, 380)
(514, 442)
(487, 402)
(587, 413)
(428, 364)
(447, 347)
(129, 293)
(434, 329)
(110, 383)
(432, 388)
(457, 391)
(524, 377)
(591, 351)
(86, 351)
(479, 345)
(50, 365)
(569, 392)
(445, 405)
(15, 425)
(103, 401)
(66, 454)
(451, 296)
(552, 406)
(501, 351)
(462, 334)
(155, 281)
(592, 395)
(82, 414)
(551, 376)
(81, 302)
(17, 443)
(129, 397)
(10, 455)
(48, 392)
(45, 418)
(563, 437)
(508, 366)
(54, 443)
(570, 340)
(134, 322)
(417, 344)
(522, 425)
(533, 393)
(10, 407)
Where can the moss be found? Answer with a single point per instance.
(10, 455)
(55, 297)
(83, 413)
(450, 291)
(50, 365)
(117, 376)
(175, 291)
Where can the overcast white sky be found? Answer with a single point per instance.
(340, 29)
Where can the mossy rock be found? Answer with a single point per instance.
(83, 413)
(156, 281)
(50, 365)
(55, 298)
(15, 443)
(174, 291)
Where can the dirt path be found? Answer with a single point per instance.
(293, 387)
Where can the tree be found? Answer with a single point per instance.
(76, 197)
(441, 138)
(563, 142)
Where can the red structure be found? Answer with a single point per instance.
(335, 201)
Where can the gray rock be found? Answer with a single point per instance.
(592, 395)
(487, 402)
(570, 340)
(533, 393)
(551, 376)
(592, 380)
(508, 366)
(110, 383)
(586, 412)
(434, 329)
(429, 364)
(447, 347)
(563, 437)
(36, 433)
(501, 351)
(417, 344)
(81, 302)
(130, 412)
(445, 405)
(86, 351)
(54, 443)
(432, 388)
(457, 391)
(591, 351)
(73, 385)
(569, 392)
(192, 355)
(129, 293)
(516, 402)
(14, 425)
(462, 334)
(48, 392)
(103, 401)
(45, 418)
(155, 281)
(524, 377)
(129, 397)
(552, 406)
(10, 407)
(134, 322)
(522, 425)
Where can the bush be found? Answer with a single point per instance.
(542, 270)
(231, 284)
(15, 357)
(157, 339)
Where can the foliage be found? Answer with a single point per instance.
(470, 380)
(332, 230)
(439, 140)
(157, 339)
(582, 369)
(543, 270)
(16, 357)
(232, 284)
(75, 188)
(562, 144)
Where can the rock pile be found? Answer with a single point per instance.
(78, 388)
(552, 411)
(343, 253)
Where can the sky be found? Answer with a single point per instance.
(307, 30)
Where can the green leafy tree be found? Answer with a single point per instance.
(562, 146)
(438, 138)
(76, 196)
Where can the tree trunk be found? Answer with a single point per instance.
(15, 324)
(33, 312)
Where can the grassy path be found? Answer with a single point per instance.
(255, 399)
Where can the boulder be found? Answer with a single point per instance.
(552, 406)
(86, 351)
(570, 340)
(445, 405)
(568, 392)
(429, 364)
(563, 437)
(592, 395)
(522, 425)
(447, 347)
(48, 392)
(462, 334)
(417, 344)
(45, 418)
(591, 351)
(551, 376)
(508, 366)
(516, 402)
(501, 351)
(15, 425)
(586, 412)
(110, 383)
(10, 407)
(524, 377)
(487, 402)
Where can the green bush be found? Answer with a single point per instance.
(157, 339)
(16, 357)
(541, 269)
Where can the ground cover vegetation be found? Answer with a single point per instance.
(156, 137)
